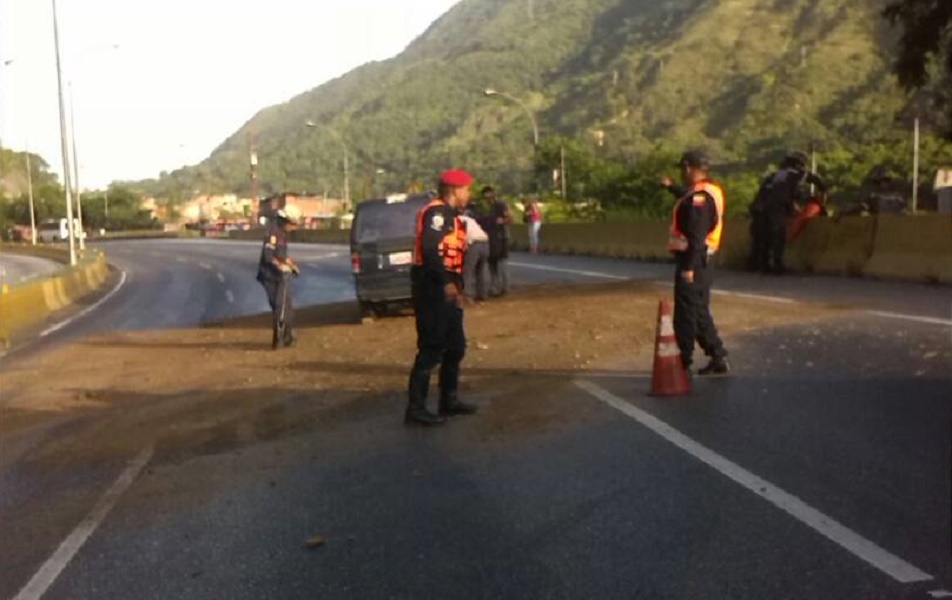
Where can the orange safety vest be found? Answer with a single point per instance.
(453, 245)
(677, 241)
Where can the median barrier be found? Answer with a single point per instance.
(915, 248)
(889, 246)
(26, 304)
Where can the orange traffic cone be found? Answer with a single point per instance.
(669, 377)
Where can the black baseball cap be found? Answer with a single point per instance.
(696, 159)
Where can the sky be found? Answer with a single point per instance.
(158, 84)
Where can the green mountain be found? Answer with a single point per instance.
(624, 79)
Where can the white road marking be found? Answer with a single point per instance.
(221, 278)
(51, 569)
(763, 297)
(851, 541)
(571, 271)
(181, 259)
(325, 256)
(592, 374)
(940, 594)
(916, 318)
(230, 296)
(205, 266)
(87, 310)
(749, 296)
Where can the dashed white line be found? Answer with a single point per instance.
(87, 310)
(940, 594)
(571, 271)
(851, 541)
(230, 296)
(51, 569)
(205, 266)
(221, 277)
(754, 296)
(915, 318)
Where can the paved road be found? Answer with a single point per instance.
(15, 268)
(821, 469)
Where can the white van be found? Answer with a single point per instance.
(54, 230)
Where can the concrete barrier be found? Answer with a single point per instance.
(26, 304)
(888, 246)
(915, 248)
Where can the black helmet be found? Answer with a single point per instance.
(797, 159)
(696, 159)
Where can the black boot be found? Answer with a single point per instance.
(717, 366)
(450, 405)
(421, 416)
(290, 340)
(276, 342)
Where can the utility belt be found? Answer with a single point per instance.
(706, 260)
(421, 277)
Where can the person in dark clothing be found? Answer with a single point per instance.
(759, 236)
(501, 218)
(275, 269)
(438, 300)
(779, 197)
(696, 226)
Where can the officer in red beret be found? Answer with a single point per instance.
(437, 278)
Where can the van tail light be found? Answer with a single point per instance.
(355, 263)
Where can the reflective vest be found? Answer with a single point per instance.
(677, 241)
(452, 247)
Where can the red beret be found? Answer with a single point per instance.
(456, 178)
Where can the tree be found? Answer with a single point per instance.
(926, 39)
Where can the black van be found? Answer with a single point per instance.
(381, 249)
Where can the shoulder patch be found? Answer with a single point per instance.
(699, 199)
(437, 222)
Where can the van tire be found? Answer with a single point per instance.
(369, 310)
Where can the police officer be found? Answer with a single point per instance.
(437, 279)
(275, 269)
(777, 200)
(695, 235)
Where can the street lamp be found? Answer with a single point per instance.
(343, 146)
(77, 192)
(64, 146)
(489, 92)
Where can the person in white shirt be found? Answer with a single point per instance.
(476, 262)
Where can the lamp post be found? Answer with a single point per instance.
(29, 187)
(76, 190)
(64, 146)
(343, 145)
(76, 187)
(489, 92)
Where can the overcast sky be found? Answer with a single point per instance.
(186, 73)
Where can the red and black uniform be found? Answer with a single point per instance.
(437, 261)
(695, 235)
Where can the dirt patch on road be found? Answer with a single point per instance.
(204, 384)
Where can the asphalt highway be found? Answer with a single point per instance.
(819, 469)
(15, 268)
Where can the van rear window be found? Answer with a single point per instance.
(377, 220)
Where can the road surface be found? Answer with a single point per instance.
(820, 469)
(15, 268)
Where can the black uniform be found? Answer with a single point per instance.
(776, 202)
(499, 249)
(696, 218)
(439, 321)
(277, 284)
